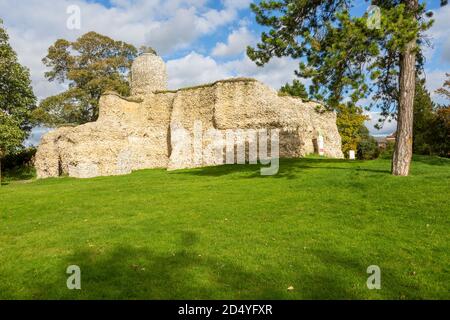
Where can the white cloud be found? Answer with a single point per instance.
(275, 73)
(237, 43)
(194, 69)
(439, 34)
(167, 25)
(435, 80)
(387, 129)
(186, 25)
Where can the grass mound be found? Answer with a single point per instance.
(227, 232)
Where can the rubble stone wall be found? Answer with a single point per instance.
(154, 128)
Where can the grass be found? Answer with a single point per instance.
(227, 232)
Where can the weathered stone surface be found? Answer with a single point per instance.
(155, 128)
(148, 73)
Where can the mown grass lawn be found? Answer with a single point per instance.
(229, 233)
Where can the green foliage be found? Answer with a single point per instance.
(315, 226)
(17, 100)
(18, 165)
(350, 120)
(423, 118)
(90, 66)
(340, 54)
(388, 151)
(297, 89)
(431, 123)
(11, 135)
(19, 174)
(367, 146)
(22, 158)
(441, 132)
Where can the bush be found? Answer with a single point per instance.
(20, 159)
(350, 120)
(368, 149)
(367, 146)
(388, 151)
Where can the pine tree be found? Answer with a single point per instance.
(351, 57)
(423, 118)
(296, 89)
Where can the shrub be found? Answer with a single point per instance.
(367, 146)
(20, 159)
(350, 120)
(388, 151)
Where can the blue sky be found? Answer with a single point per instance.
(200, 40)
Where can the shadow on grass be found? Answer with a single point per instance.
(393, 284)
(288, 168)
(133, 273)
(432, 160)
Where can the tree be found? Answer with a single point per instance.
(90, 66)
(441, 123)
(347, 56)
(17, 100)
(441, 132)
(297, 89)
(423, 118)
(350, 120)
(431, 124)
(367, 146)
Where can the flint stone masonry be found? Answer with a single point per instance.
(140, 131)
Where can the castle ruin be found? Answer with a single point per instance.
(135, 132)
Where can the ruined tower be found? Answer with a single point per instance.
(148, 74)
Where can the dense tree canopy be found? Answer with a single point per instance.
(351, 57)
(89, 66)
(431, 122)
(17, 100)
(423, 119)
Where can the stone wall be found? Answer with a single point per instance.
(154, 128)
(247, 104)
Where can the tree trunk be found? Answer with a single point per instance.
(407, 82)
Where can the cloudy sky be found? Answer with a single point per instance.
(200, 40)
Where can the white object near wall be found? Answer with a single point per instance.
(320, 145)
(351, 154)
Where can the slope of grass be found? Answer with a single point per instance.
(227, 232)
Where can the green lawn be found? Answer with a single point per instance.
(229, 233)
